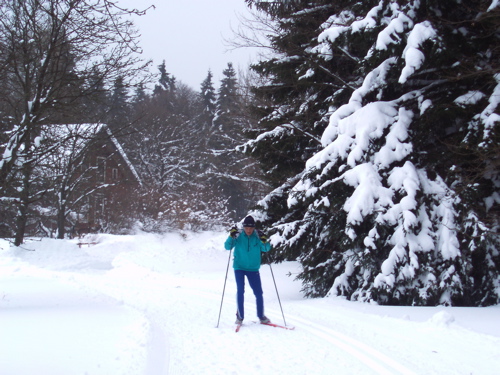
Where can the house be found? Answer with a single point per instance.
(110, 182)
(92, 181)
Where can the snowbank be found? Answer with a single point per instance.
(149, 304)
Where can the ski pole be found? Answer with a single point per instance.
(277, 294)
(224, 289)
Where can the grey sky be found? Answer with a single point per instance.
(189, 34)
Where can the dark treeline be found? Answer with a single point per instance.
(183, 144)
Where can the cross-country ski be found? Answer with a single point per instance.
(291, 328)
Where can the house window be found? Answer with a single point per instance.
(101, 169)
(100, 207)
(114, 174)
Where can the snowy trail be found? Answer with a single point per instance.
(205, 342)
(372, 358)
(50, 313)
(149, 305)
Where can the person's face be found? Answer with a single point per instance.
(248, 230)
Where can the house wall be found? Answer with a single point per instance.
(113, 181)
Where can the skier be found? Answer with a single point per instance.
(248, 246)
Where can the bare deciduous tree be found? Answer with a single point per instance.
(54, 54)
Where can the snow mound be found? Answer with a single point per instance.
(442, 319)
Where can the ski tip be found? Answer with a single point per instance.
(290, 328)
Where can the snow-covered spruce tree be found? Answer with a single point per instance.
(401, 204)
(208, 99)
(119, 107)
(208, 207)
(228, 172)
(293, 104)
(225, 123)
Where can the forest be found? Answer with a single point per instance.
(365, 143)
(59, 88)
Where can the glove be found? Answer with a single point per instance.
(233, 232)
(262, 236)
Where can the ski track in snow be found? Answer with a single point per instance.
(368, 360)
(372, 358)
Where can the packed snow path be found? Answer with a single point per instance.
(146, 304)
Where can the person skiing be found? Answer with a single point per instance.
(248, 246)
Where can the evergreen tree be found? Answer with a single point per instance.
(226, 124)
(225, 171)
(207, 162)
(207, 99)
(166, 87)
(166, 82)
(294, 102)
(95, 103)
(119, 107)
(400, 204)
(140, 95)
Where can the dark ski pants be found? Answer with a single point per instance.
(255, 284)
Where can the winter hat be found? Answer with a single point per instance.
(249, 222)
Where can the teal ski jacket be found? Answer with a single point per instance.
(247, 251)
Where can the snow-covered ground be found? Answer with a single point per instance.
(147, 304)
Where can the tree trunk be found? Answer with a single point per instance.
(61, 221)
(24, 198)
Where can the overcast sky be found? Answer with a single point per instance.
(189, 36)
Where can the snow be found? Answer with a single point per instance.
(413, 56)
(472, 97)
(369, 22)
(123, 154)
(368, 190)
(148, 304)
(489, 115)
(494, 4)
(391, 33)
